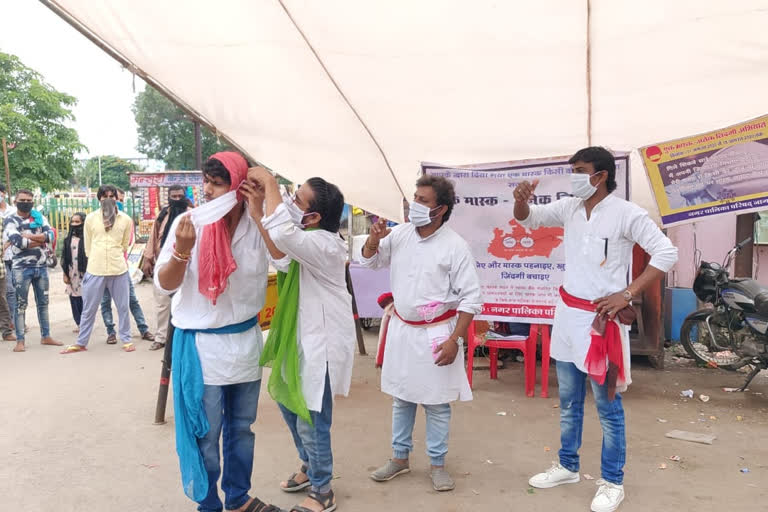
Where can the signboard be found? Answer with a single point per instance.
(166, 179)
(154, 190)
(520, 270)
(723, 171)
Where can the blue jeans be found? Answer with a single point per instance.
(38, 278)
(232, 409)
(314, 443)
(10, 291)
(573, 390)
(438, 430)
(138, 314)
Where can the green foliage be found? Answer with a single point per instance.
(34, 117)
(166, 133)
(114, 171)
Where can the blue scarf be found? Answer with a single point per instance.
(37, 219)
(191, 421)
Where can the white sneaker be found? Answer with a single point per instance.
(608, 497)
(556, 475)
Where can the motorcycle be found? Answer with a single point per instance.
(732, 333)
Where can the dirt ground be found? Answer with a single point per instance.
(77, 434)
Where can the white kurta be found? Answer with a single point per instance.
(326, 325)
(609, 235)
(225, 358)
(438, 268)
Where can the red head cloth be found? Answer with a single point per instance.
(383, 298)
(216, 262)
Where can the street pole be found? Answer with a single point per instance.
(165, 377)
(198, 148)
(99, 170)
(7, 169)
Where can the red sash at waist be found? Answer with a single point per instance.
(442, 318)
(605, 359)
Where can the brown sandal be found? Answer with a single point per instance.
(293, 485)
(259, 506)
(326, 500)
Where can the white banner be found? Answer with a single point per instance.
(520, 270)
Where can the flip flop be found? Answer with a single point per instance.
(72, 349)
(129, 347)
(156, 345)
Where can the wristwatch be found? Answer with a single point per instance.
(627, 295)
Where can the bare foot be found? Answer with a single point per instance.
(300, 478)
(51, 341)
(20, 347)
(9, 337)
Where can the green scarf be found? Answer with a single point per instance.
(281, 351)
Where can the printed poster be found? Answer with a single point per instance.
(520, 270)
(723, 171)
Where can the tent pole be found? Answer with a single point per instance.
(589, 73)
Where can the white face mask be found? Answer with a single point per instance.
(214, 210)
(297, 215)
(581, 186)
(420, 215)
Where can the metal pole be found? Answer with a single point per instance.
(99, 170)
(198, 147)
(7, 170)
(589, 73)
(358, 324)
(165, 378)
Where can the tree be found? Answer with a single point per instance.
(114, 171)
(33, 119)
(166, 133)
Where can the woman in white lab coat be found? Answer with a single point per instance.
(304, 229)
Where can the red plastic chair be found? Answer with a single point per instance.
(526, 346)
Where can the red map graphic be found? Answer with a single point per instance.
(523, 243)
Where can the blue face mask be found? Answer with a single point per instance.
(119, 205)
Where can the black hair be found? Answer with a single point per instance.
(2, 187)
(104, 190)
(24, 191)
(328, 201)
(446, 195)
(601, 159)
(213, 168)
(174, 188)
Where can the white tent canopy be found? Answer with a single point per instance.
(361, 91)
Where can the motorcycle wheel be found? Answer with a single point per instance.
(694, 335)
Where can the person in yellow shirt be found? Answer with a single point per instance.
(107, 235)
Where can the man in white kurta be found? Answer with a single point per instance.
(219, 338)
(437, 293)
(600, 232)
(304, 229)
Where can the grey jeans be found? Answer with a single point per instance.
(93, 293)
